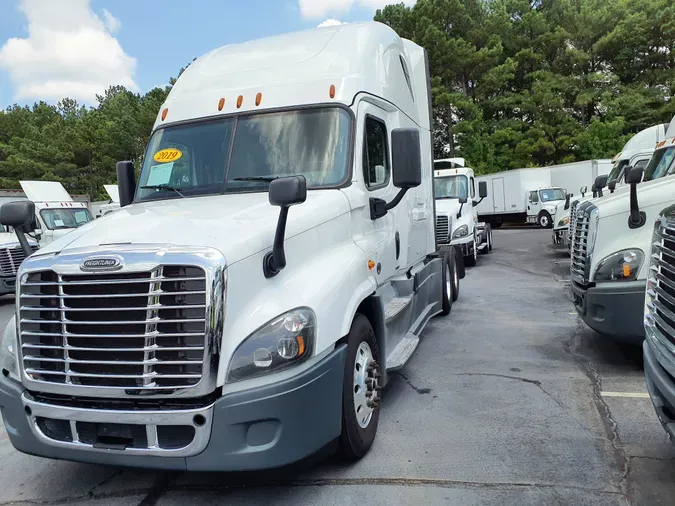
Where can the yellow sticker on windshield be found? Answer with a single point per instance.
(168, 155)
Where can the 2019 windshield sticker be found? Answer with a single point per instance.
(167, 155)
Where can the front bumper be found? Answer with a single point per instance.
(465, 245)
(260, 428)
(661, 387)
(615, 310)
(7, 285)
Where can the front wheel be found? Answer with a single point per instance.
(448, 272)
(544, 219)
(472, 259)
(360, 391)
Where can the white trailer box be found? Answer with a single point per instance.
(573, 176)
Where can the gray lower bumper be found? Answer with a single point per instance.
(661, 388)
(7, 285)
(260, 428)
(613, 310)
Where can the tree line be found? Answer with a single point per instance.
(515, 83)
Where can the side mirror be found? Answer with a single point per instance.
(482, 189)
(406, 166)
(600, 183)
(634, 175)
(284, 193)
(567, 201)
(637, 218)
(611, 185)
(126, 182)
(406, 158)
(19, 215)
(583, 190)
(463, 200)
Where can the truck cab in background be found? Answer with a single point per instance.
(542, 204)
(56, 213)
(612, 245)
(101, 209)
(11, 256)
(456, 195)
(275, 262)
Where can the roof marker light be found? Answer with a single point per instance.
(258, 99)
(331, 92)
(240, 101)
(164, 113)
(221, 104)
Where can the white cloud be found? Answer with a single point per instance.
(111, 22)
(330, 22)
(69, 52)
(312, 9)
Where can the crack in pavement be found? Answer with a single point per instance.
(421, 391)
(536, 383)
(107, 480)
(159, 488)
(586, 364)
(647, 457)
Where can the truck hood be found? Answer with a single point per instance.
(649, 193)
(237, 225)
(449, 206)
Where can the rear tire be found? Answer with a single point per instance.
(361, 385)
(447, 294)
(488, 240)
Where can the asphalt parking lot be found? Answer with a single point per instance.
(510, 400)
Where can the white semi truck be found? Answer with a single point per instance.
(206, 325)
(11, 256)
(611, 246)
(659, 344)
(457, 224)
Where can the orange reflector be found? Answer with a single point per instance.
(221, 104)
(626, 270)
(240, 101)
(258, 99)
(371, 265)
(332, 91)
(301, 346)
(164, 113)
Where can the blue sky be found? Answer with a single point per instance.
(55, 48)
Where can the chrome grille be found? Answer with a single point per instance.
(443, 229)
(660, 311)
(128, 331)
(11, 258)
(579, 244)
(572, 224)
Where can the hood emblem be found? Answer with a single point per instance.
(107, 263)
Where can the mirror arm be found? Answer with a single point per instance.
(275, 260)
(379, 207)
(637, 218)
(21, 236)
(459, 213)
(474, 203)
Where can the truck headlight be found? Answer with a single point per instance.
(564, 222)
(9, 351)
(462, 231)
(623, 265)
(281, 343)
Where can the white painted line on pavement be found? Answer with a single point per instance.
(634, 395)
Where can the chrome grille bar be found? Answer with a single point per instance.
(443, 229)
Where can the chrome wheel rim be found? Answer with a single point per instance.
(366, 385)
(448, 285)
(543, 221)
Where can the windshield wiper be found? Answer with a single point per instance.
(164, 187)
(267, 179)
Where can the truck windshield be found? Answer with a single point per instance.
(659, 163)
(451, 187)
(551, 194)
(617, 170)
(249, 150)
(65, 218)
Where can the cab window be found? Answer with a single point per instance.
(473, 189)
(534, 198)
(375, 154)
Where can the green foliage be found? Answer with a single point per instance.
(520, 83)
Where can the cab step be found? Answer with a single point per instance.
(394, 307)
(403, 351)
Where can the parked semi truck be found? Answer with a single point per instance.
(103, 208)
(457, 222)
(659, 344)
(611, 246)
(275, 262)
(11, 256)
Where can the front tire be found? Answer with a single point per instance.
(544, 220)
(360, 391)
(472, 259)
(454, 262)
(488, 240)
(446, 276)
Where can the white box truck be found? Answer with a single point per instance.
(457, 224)
(612, 244)
(519, 196)
(206, 325)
